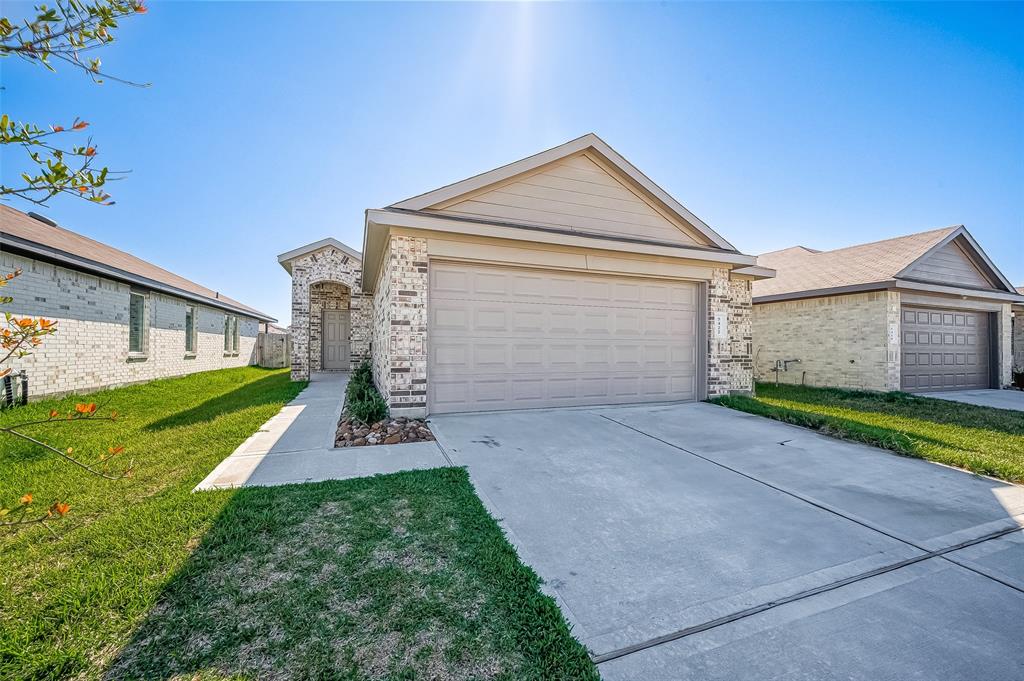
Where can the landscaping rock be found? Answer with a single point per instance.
(352, 433)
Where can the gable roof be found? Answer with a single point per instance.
(286, 259)
(875, 265)
(22, 232)
(590, 144)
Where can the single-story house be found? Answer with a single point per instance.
(119, 318)
(565, 278)
(928, 311)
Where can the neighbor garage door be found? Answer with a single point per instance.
(944, 349)
(512, 338)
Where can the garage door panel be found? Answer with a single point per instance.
(482, 317)
(596, 291)
(944, 349)
(450, 355)
(527, 321)
(527, 356)
(482, 392)
(506, 339)
(448, 318)
(510, 358)
(454, 282)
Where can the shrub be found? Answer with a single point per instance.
(362, 401)
(369, 410)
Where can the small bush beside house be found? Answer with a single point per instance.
(365, 420)
(362, 400)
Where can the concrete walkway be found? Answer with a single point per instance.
(297, 445)
(999, 399)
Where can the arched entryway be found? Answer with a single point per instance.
(330, 314)
(330, 326)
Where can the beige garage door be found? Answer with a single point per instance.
(944, 349)
(511, 338)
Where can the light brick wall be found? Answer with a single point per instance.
(400, 326)
(327, 279)
(1004, 362)
(893, 341)
(1018, 339)
(90, 348)
(839, 340)
(380, 339)
(729, 360)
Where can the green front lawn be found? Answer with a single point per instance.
(399, 577)
(979, 439)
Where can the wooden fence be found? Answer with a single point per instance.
(273, 350)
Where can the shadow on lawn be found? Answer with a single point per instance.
(263, 391)
(399, 576)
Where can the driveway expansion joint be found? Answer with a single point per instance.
(801, 595)
(635, 540)
(748, 612)
(818, 504)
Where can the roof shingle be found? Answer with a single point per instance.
(16, 224)
(803, 269)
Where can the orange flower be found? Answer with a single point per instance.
(86, 408)
(60, 508)
(26, 499)
(116, 450)
(46, 323)
(91, 151)
(141, 9)
(80, 125)
(57, 128)
(26, 322)
(83, 189)
(53, 413)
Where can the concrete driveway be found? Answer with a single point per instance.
(1000, 399)
(695, 542)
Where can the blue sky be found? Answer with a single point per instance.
(270, 125)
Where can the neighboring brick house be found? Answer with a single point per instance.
(119, 319)
(566, 278)
(923, 312)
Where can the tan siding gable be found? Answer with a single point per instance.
(949, 265)
(578, 193)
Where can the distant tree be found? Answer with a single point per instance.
(68, 32)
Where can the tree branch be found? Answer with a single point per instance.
(61, 454)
